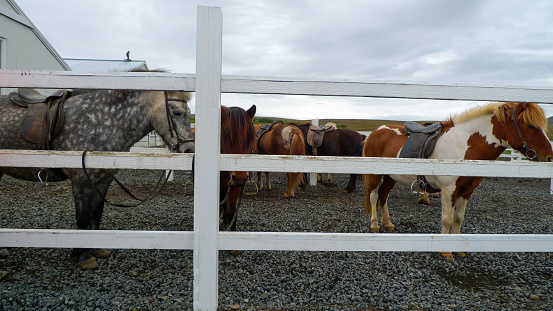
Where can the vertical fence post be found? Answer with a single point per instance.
(206, 179)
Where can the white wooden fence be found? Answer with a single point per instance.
(206, 240)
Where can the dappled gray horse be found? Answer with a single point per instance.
(103, 120)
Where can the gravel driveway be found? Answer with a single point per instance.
(46, 279)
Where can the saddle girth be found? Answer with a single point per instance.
(420, 144)
(315, 136)
(44, 119)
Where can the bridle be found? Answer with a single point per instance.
(172, 131)
(524, 144)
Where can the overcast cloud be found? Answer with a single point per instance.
(496, 42)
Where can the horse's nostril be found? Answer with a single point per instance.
(549, 159)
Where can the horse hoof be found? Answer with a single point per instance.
(101, 253)
(448, 256)
(286, 195)
(390, 228)
(236, 253)
(88, 264)
(375, 230)
(460, 254)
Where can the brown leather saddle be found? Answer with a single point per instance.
(420, 144)
(44, 119)
(265, 128)
(315, 135)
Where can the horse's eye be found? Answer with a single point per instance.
(177, 113)
(531, 126)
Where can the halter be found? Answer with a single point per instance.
(524, 144)
(172, 131)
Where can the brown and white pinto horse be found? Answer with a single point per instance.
(237, 137)
(281, 139)
(481, 133)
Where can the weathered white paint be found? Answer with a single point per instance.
(206, 180)
(112, 80)
(278, 163)
(284, 86)
(168, 173)
(290, 241)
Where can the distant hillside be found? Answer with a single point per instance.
(352, 124)
(360, 125)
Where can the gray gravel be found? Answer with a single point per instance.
(46, 279)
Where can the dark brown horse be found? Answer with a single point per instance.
(340, 142)
(237, 137)
(281, 139)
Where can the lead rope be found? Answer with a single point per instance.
(160, 187)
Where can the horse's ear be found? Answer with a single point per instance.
(251, 111)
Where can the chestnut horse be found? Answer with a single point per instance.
(237, 137)
(281, 139)
(481, 133)
(340, 142)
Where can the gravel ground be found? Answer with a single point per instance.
(46, 279)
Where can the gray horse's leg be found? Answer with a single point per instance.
(89, 206)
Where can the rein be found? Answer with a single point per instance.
(172, 131)
(237, 204)
(524, 144)
(160, 187)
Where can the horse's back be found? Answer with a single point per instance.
(386, 141)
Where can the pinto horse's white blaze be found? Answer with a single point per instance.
(482, 133)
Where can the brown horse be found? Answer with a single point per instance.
(281, 139)
(340, 142)
(237, 137)
(482, 133)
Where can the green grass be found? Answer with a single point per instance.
(353, 124)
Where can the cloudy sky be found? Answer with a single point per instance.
(495, 42)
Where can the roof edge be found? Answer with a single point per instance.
(40, 36)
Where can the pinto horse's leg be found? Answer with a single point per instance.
(458, 217)
(447, 217)
(387, 184)
(371, 199)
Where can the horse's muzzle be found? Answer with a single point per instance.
(238, 181)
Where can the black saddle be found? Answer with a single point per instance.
(420, 144)
(265, 128)
(45, 118)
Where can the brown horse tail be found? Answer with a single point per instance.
(297, 147)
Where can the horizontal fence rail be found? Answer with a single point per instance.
(287, 241)
(274, 163)
(275, 86)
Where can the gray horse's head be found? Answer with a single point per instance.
(170, 118)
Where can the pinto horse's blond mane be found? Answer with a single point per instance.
(532, 114)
